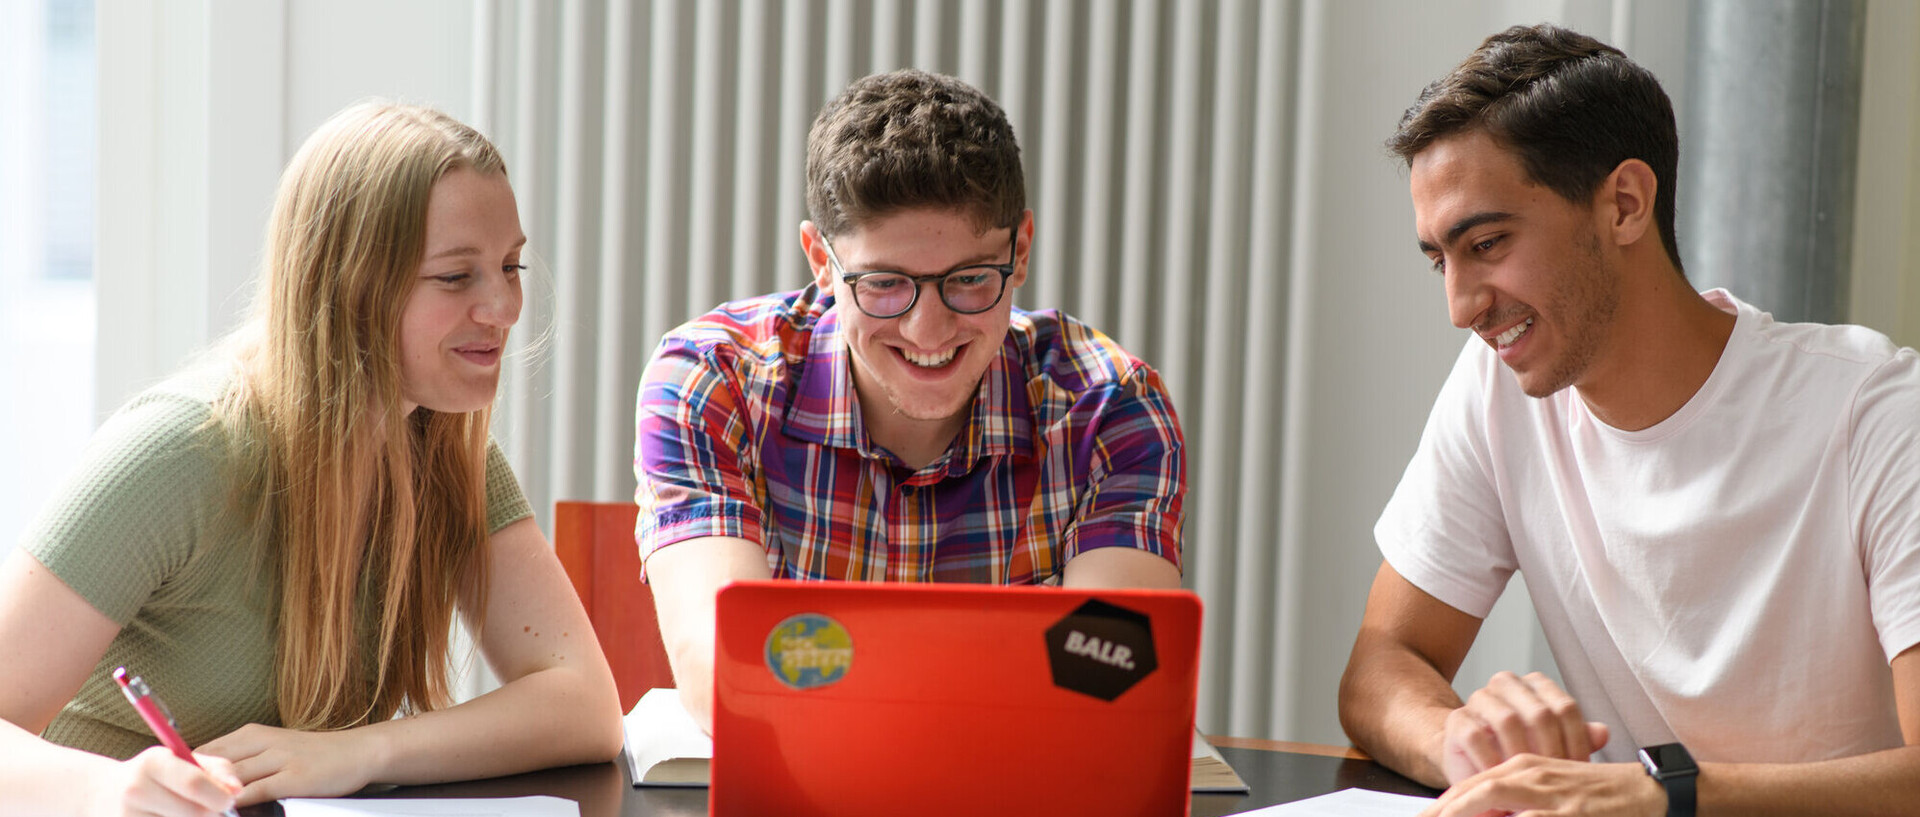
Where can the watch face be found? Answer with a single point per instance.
(1669, 758)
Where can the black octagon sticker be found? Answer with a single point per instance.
(1101, 650)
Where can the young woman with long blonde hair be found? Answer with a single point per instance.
(278, 538)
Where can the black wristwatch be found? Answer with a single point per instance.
(1673, 768)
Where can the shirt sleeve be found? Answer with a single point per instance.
(506, 502)
(1884, 465)
(694, 477)
(1443, 530)
(148, 484)
(1138, 471)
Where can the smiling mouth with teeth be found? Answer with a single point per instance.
(930, 361)
(1508, 337)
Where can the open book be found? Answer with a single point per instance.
(1211, 772)
(666, 748)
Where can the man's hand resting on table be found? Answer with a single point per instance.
(1514, 715)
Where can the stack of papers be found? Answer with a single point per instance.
(1347, 803)
(541, 806)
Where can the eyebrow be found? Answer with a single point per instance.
(1460, 227)
(977, 261)
(986, 259)
(980, 261)
(471, 250)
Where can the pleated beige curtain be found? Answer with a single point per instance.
(658, 150)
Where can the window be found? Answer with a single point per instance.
(47, 80)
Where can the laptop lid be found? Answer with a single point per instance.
(858, 698)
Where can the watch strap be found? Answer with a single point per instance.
(1680, 794)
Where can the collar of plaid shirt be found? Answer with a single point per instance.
(826, 411)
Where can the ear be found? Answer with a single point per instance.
(1626, 199)
(816, 252)
(1022, 249)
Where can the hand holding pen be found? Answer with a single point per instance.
(161, 722)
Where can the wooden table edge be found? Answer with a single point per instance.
(1321, 749)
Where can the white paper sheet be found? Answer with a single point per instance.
(540, 806)
(1345, 803)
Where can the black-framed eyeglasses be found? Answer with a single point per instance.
(968, 290)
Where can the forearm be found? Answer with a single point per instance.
(686, 579)
(39, 777)
(1880, 783)
(1394, 707)
(692, 662)
(553, 717)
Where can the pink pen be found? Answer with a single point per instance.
(156, 715)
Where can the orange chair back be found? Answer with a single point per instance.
(594, 541)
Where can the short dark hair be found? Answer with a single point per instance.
(1573, 108)
(908, 139)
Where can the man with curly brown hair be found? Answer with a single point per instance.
(899, 419)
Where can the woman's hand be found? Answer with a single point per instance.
(275, 763)
(155, 782)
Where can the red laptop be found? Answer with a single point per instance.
(856, 698)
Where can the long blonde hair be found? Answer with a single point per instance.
(375, 521)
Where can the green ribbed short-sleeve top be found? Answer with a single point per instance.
(148, 532)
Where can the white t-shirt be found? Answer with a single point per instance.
(1736, 577)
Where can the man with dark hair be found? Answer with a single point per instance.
(1718, 514)
(898, 419)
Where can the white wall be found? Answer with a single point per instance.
(1886, 243)
(46, 323)
(202, 103)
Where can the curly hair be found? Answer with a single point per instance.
(908, 139)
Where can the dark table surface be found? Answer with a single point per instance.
(602, 789)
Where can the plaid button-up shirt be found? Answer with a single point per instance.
(749, 427)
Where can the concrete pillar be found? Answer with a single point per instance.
(1768, 152)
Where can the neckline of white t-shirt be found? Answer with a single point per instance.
(1744, 319)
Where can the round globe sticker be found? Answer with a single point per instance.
(809, 650)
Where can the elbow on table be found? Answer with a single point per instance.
(1358, 707)
(605, 742)
(590, 731)
(604, 737)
